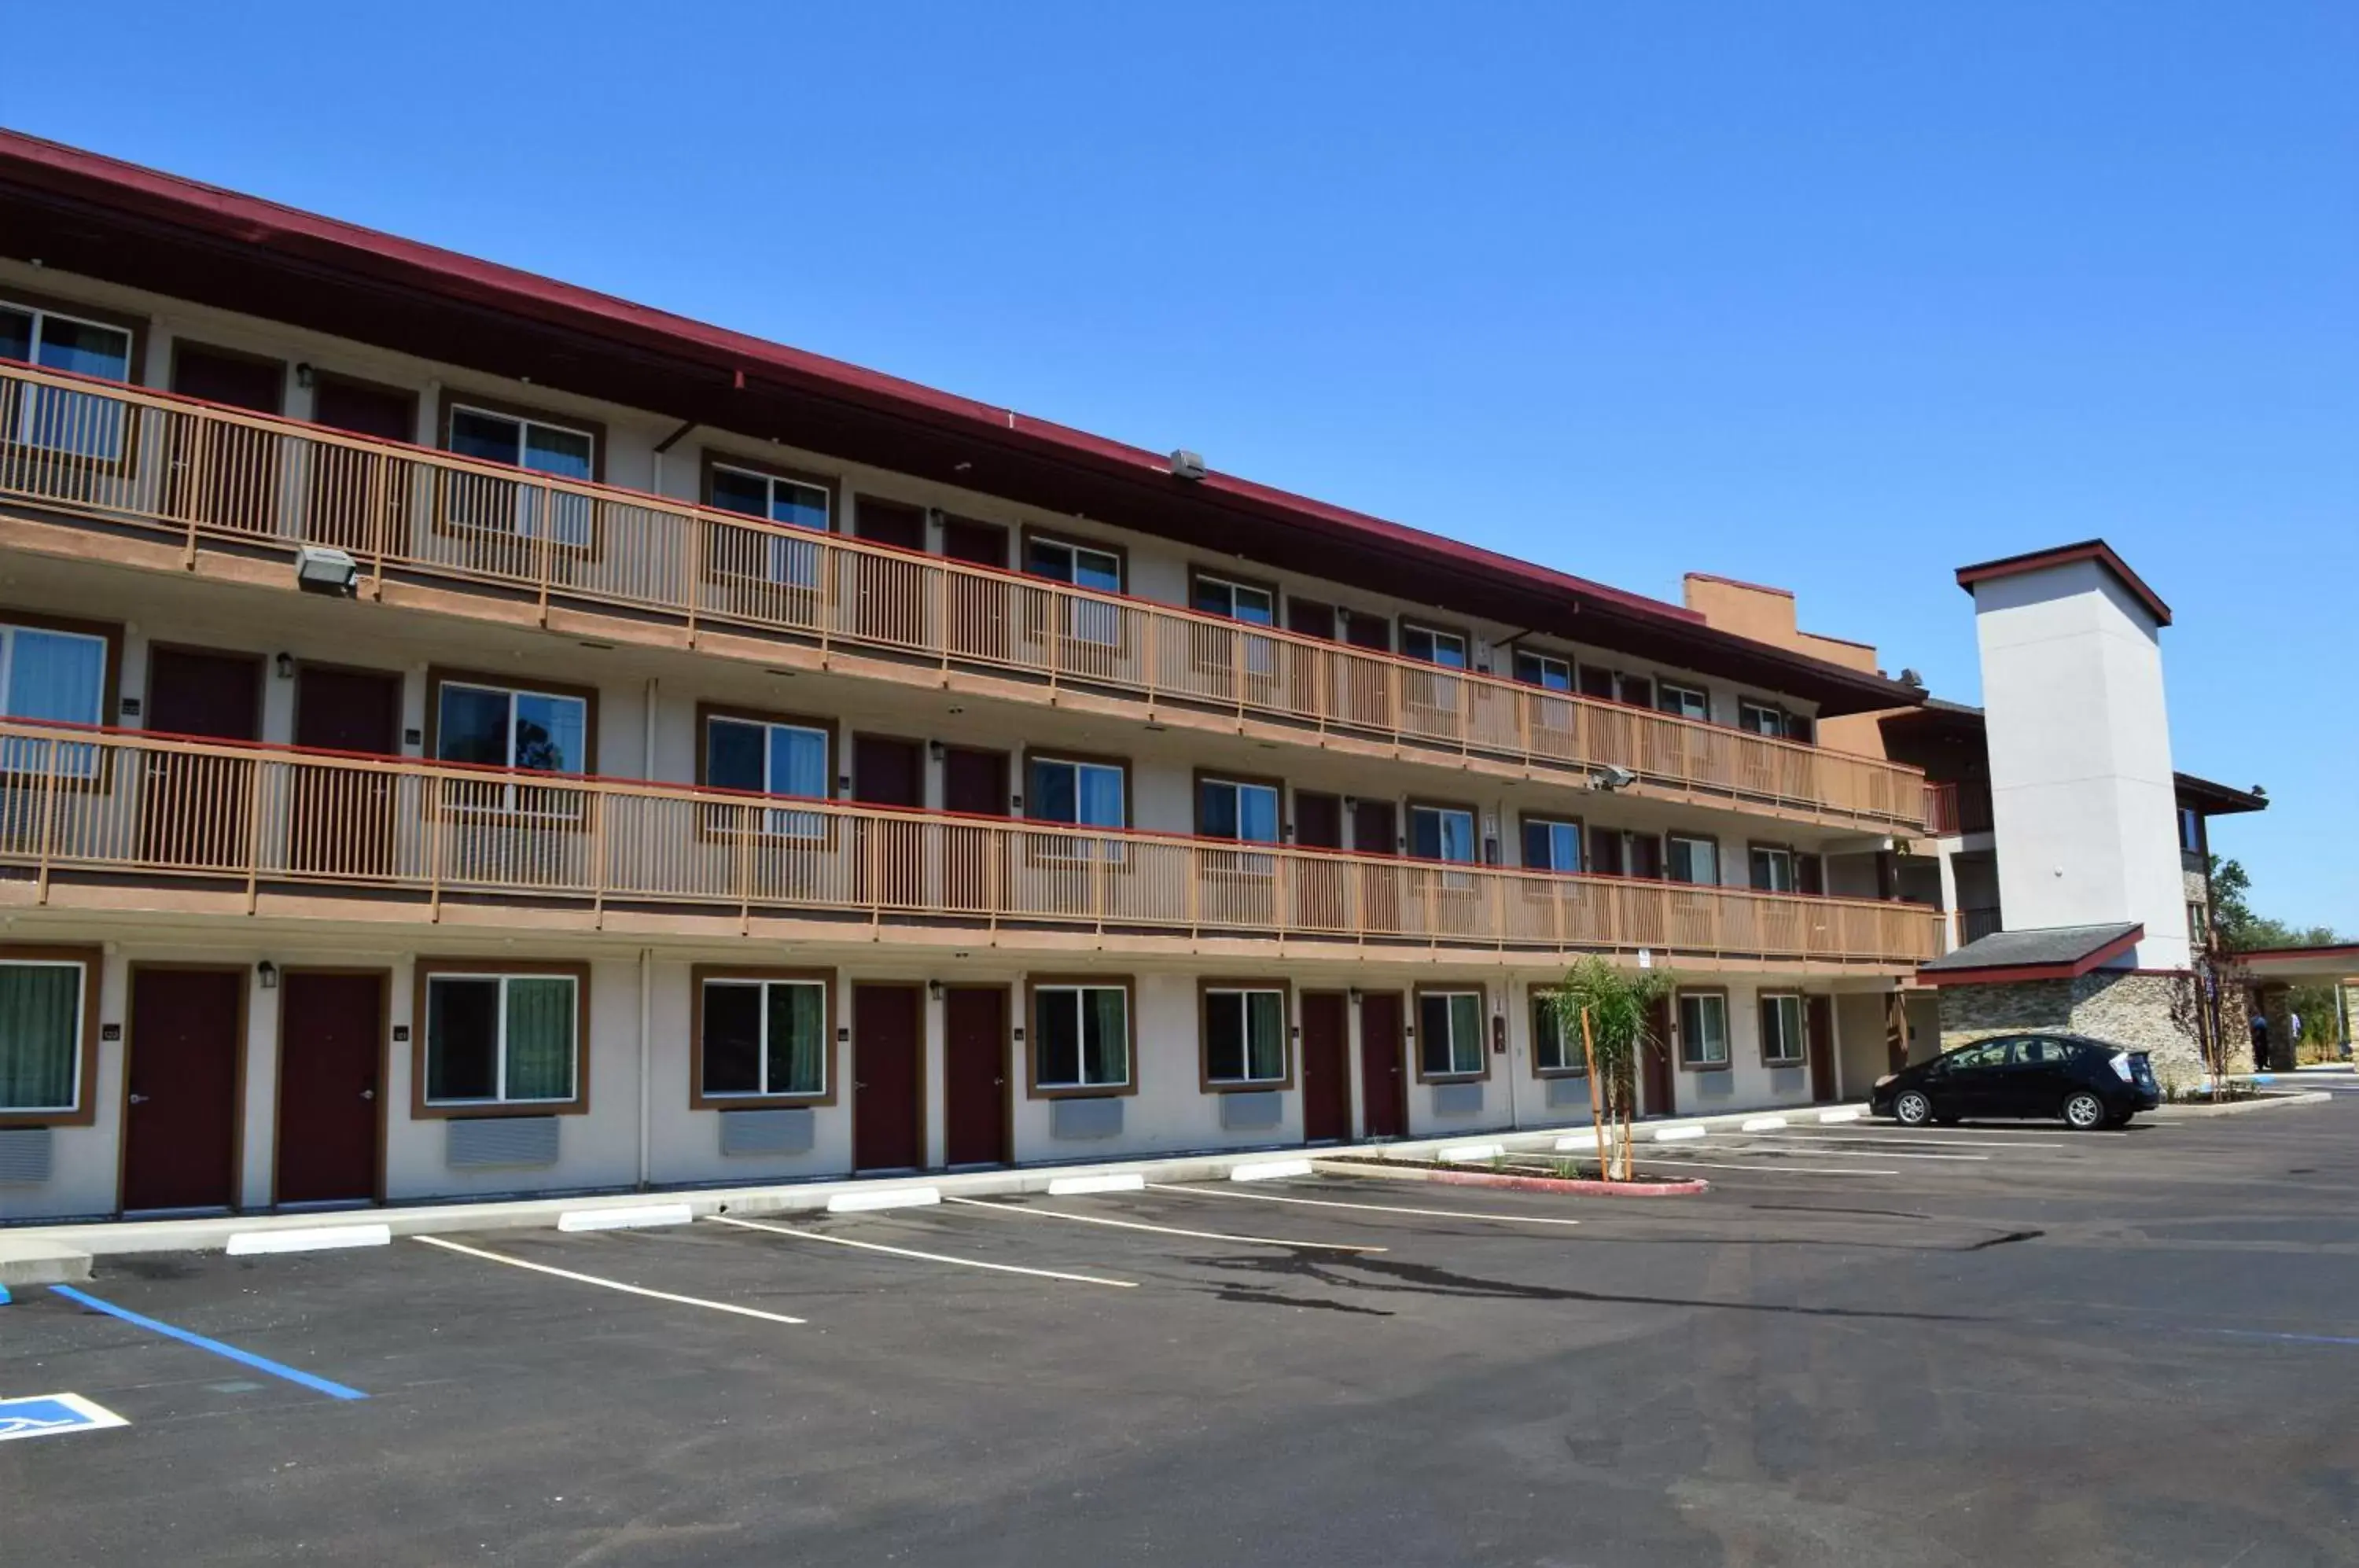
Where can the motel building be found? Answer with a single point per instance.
(466, 734)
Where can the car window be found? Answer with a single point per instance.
(1990, 1053)
(2035, 1052)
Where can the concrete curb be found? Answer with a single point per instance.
(1570, 1185)
(34, 1259)
(72, 1245)
(2240, 1107)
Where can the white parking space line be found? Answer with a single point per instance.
(606, 1284)
(929, 1256)
(1811, 1137)
(1768, 1170)
(1826, 1153)
(1165, 1230)
(1371, 1208)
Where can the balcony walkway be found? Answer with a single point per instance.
(122, 821)
(206, 478)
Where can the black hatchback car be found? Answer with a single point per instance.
(2088, 1083)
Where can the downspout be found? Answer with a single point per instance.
(646, 965)
(1508, 1031)
(647, 740)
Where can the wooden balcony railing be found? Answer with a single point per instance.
(1940, 809)
(199, 473)
(249, 820)
(1954, 808)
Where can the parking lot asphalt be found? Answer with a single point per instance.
(2002, 1344)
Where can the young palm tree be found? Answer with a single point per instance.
(1612, 1012)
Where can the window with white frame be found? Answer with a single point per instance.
(1550, 845)
(1085, 794)
(81, 424)
(774, 498)
(534, 445)
(1554, 1047)
(1695, 860)
(1441, 832)
(1081, 1037)
(1783, 1044)
(1773, 869)
(502, 727)
(40, 1036)
(1703, 1028)
(1450, 1033)
(1244, 1036)
(1227, 808)
(1430, 645)
(501, 1039)
(1687, 702)
(765, 757)
(1767, 718)
(54, 676)
(1082, 566)
(1235, 601)
(763, 1039)
(1544, 670)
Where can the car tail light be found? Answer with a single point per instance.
(2122, 1065)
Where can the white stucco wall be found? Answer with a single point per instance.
(2080, 755)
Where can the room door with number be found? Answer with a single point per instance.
(974, 1075)
(887, 1089)
(180, 1125)
(1384, 1085)
(331, 1047)
(1326, 1068)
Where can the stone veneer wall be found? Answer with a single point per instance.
(2130, 1008)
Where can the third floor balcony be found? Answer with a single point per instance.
(205, 482)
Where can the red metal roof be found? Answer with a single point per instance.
(2096, 549)
(319, 260)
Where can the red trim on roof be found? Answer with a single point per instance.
(271, 225)
(2009, 973)
(2263, 955)
(2097, 550)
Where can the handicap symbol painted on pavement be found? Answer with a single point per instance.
(48, 1415)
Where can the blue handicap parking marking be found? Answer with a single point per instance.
(51, 1415)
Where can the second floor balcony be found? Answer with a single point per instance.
(109, 821)
(211, 480)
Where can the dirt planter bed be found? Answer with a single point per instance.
(1460, 1176)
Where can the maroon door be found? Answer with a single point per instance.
(1658, 1076)
(1383, 1090)
(889, 772)
(1646, 857)
(1818, 1019)
(1363, 694)
(1375, 831)
(331, 1027)
(1318, 821)
(887, 1104)
(889, 522)
(1326, 1068)
(227, 473)
(1310, 618)
(1362, 629)
(179, 1128)
(974, 783)
(974, 1075)
(977, 544)
(979, 606)
(341, 818)
(1606, 852)
(359, 495)
(196, 808)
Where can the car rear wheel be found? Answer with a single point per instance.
(2083, 1111)
(1911, 1109)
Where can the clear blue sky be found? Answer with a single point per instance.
(1838, 297)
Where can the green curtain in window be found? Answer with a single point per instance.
(1466, 1034)
(1105, 1036)
(541, 1038)
(1265, 1034)
(40, 1017)
(798, 1044)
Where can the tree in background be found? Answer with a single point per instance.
(1612, 1012)
(2240, 930)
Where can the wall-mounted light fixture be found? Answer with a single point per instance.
(934, 749)
(1355, 995)
(303, 377)
(934, 989)
(268, 972)
(285, 664)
